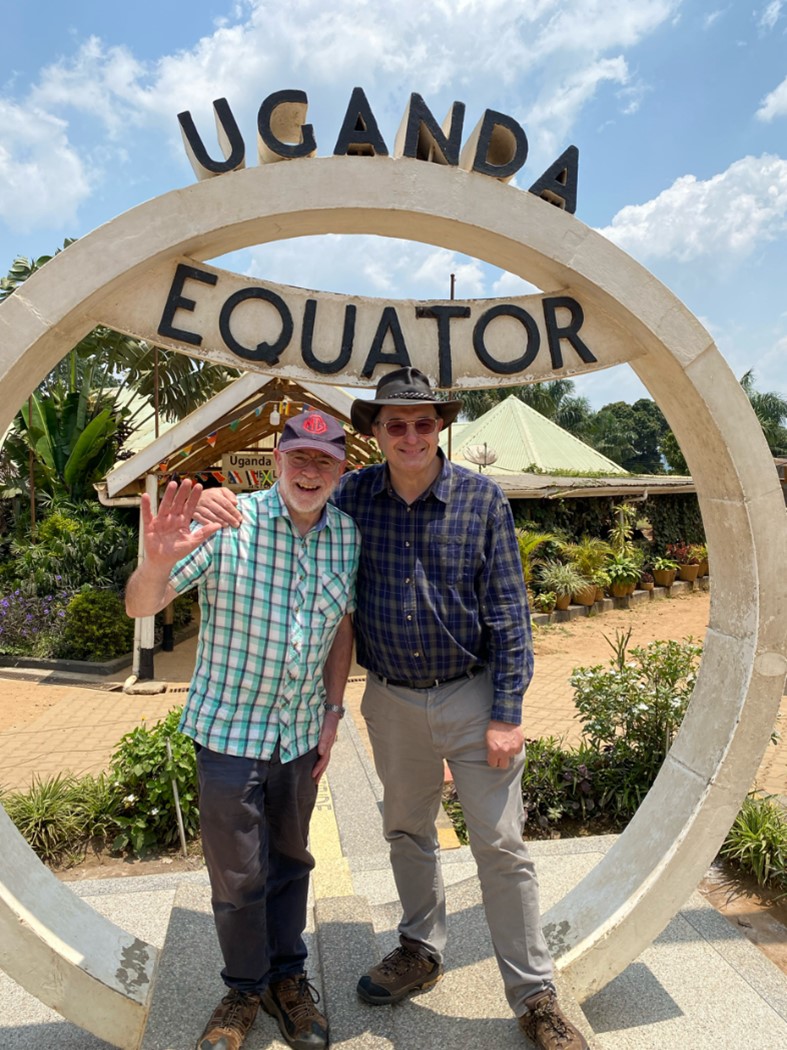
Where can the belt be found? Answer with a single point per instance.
(432, 683)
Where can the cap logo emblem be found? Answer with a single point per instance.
(315, 424)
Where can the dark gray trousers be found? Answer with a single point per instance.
(254, 819)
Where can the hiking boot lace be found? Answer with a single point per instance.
(237, 1002)
(308, 997)
(546, 1013)
(399, 962)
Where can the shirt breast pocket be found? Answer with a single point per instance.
(452, 556)
(332, 599)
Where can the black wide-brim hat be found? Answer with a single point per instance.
(404, 386)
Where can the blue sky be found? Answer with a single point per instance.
(678, 108)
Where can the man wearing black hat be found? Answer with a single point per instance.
(263, 708)
(440, 569)
(443, 628)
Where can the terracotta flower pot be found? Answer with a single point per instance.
(599, 594)
(688, 572)
(646, 586)
(621, 590)
(587, 596)
(664, 577)
(704, 568)
(563, 601)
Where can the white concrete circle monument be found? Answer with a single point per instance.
(144, 272)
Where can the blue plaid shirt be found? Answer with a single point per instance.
(440, 584)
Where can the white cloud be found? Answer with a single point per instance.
(541, 62)
(43, 178)
(711, 18)
(365, 265)
(726, 216)
(774, 104)
(770, 14)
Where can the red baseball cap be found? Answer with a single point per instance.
(314, 429)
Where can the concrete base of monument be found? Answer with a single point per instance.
(700, 984)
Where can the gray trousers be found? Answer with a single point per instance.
(412, 731)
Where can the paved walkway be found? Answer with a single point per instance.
(80, 732)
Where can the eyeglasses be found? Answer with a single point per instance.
(300, 461)
(397, 428)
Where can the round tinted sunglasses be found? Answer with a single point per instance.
(397, 428)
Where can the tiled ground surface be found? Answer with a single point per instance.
(81, 729)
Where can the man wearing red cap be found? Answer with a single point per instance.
(274, 651)
(443, 628)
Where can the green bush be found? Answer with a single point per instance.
(77, 544)
(49, 816)
(143, 772)
(757, 841)
(31, 625)
(631, 711)
(95, 627)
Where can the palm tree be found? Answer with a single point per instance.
(771, 411)
(178, 383)
(554, 399)
(72, 428)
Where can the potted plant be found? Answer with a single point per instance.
(601, 579)
(544, 602)
(623, 571)
(562, 579)
(700, 551)
(588, 555)
(529, 541)
(646, 582)
(688, 562)
(664, 571)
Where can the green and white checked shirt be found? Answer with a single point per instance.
(271, 601)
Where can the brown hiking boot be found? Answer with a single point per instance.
(292, 1001)
(230, 1022)
(547, 1027)
(402, 972)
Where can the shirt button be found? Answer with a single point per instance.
(407, 579)
(416, 654)
(407, 543)
(409, 617)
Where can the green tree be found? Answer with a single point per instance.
(631, 435)
(555, 400)
(771, 411)
(77, 420)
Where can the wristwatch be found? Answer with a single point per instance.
(335, 709)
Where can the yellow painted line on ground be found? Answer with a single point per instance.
(331, 876)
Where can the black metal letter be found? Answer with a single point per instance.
(177, 301)
(327, 368)
(359, 135)
(389, 322)
(230, 140)
(556, 332)
(502, 146)
(268, 352)
(533, 339)
(424, 138)
(295, 103)
(443, 315)
(558, 184)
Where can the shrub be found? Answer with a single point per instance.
(48, 817)
(96, 627)
(558, 784)
(143, 772)
(31, 625)
(631, 710)
(77, 544)
(757, 841)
